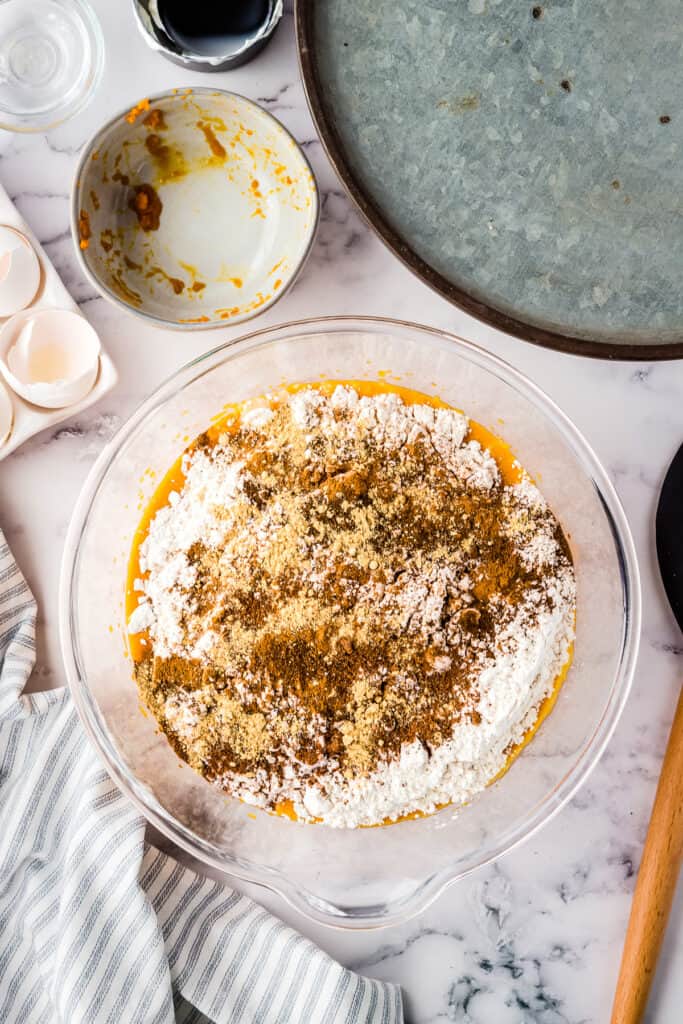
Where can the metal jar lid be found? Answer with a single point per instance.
(152, 28)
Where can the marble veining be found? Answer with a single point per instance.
(536, 937)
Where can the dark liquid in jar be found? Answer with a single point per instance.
(212, 28)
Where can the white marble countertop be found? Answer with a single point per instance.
(535, 938)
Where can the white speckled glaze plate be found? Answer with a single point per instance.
(522, 158)
(194, 209)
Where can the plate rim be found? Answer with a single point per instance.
(304, 13)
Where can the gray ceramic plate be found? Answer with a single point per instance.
(523, 158)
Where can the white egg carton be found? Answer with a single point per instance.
(30, 419)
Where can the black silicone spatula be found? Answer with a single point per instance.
(661, 862)
(669, 530)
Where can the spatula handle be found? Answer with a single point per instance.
(655, 885)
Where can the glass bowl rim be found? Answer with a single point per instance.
(426, 891)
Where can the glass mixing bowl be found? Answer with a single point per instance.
(363, 877)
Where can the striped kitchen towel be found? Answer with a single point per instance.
(98, 926)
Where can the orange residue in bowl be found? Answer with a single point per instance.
(176, 283)
(84, 230)
(135, 111)
(215, 145)
(155, 120)
(225, 313)
(147, 206)
(124, 290)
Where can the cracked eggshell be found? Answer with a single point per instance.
(19, 271)
(50, 357)
(6, 414)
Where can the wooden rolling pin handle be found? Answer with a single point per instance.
(655, 886)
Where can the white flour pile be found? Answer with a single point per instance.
(347, 608)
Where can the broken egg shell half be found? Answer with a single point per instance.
(19, 271)
(49, 357)
(6, 414)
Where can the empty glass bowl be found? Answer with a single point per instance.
(51, 59)
(367, 876)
